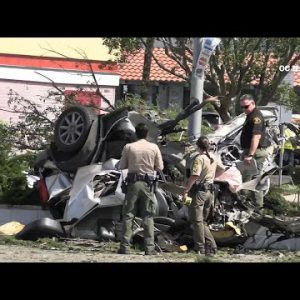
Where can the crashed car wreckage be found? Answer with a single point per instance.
(80, 183)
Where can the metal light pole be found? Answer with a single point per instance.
(195, 120)
(203, 48)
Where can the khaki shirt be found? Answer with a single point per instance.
(141, 157)
(206, 170)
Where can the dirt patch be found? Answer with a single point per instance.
(46, 250)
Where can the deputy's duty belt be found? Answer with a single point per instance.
(140, 177)
(200, 186)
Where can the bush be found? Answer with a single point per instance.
(13, 183)
(276, 204)
(19, 194)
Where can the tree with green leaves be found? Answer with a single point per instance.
(35, 126)
(13, 184)
(236, 64)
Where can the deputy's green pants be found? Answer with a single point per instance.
(260, 157)
(199, 211)
(140, 198)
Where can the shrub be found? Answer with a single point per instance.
(13, 184)
(276, 203)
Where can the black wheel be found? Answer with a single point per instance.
(41, 228)
(69, 161)
(163, 207)
(164, 221)
(72, 128)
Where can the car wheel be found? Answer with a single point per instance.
(69, 162)
(41, 228)
(72, 128)
(162, 204)
(164, 221)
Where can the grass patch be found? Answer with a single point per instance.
(205, 259)
(287, 189)
(11, 240)
(44, 243)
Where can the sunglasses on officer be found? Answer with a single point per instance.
(245, 107)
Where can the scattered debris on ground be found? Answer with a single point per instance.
(77, 250)
(11, 228)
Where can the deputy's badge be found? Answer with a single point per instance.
(256, 120)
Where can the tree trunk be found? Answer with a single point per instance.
(224, 108)
(145, 93)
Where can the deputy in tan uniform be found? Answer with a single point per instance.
(142, 159)
(200, 188)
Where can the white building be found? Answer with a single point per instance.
(31, 77)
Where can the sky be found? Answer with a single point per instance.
(93, 47)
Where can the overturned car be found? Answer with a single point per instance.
(80, 182)
(79, 179)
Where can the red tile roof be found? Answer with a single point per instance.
(133, 68)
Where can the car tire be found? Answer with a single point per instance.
(70, 162)
(164, 221)
(72, 128)
(163, 207)
(41, 228)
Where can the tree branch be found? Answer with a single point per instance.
(181, 59)
(98, 92)
(87, 61)
(166, 69)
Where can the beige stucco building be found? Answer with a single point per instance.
(70, 47)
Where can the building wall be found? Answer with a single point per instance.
(166, 94)
(92, 47)
(176, 95)
(163, 95)
(35, 92)
(170, 95)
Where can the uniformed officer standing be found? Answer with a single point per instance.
(288, 154)
(253, 141)
(142, 159)
(200, 188)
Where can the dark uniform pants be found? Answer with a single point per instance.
(140, 198)
(288, 161)
(260, 157)
(199, 211)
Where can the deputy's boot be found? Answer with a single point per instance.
(122, 250)
(201, 251)
(210, 250)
